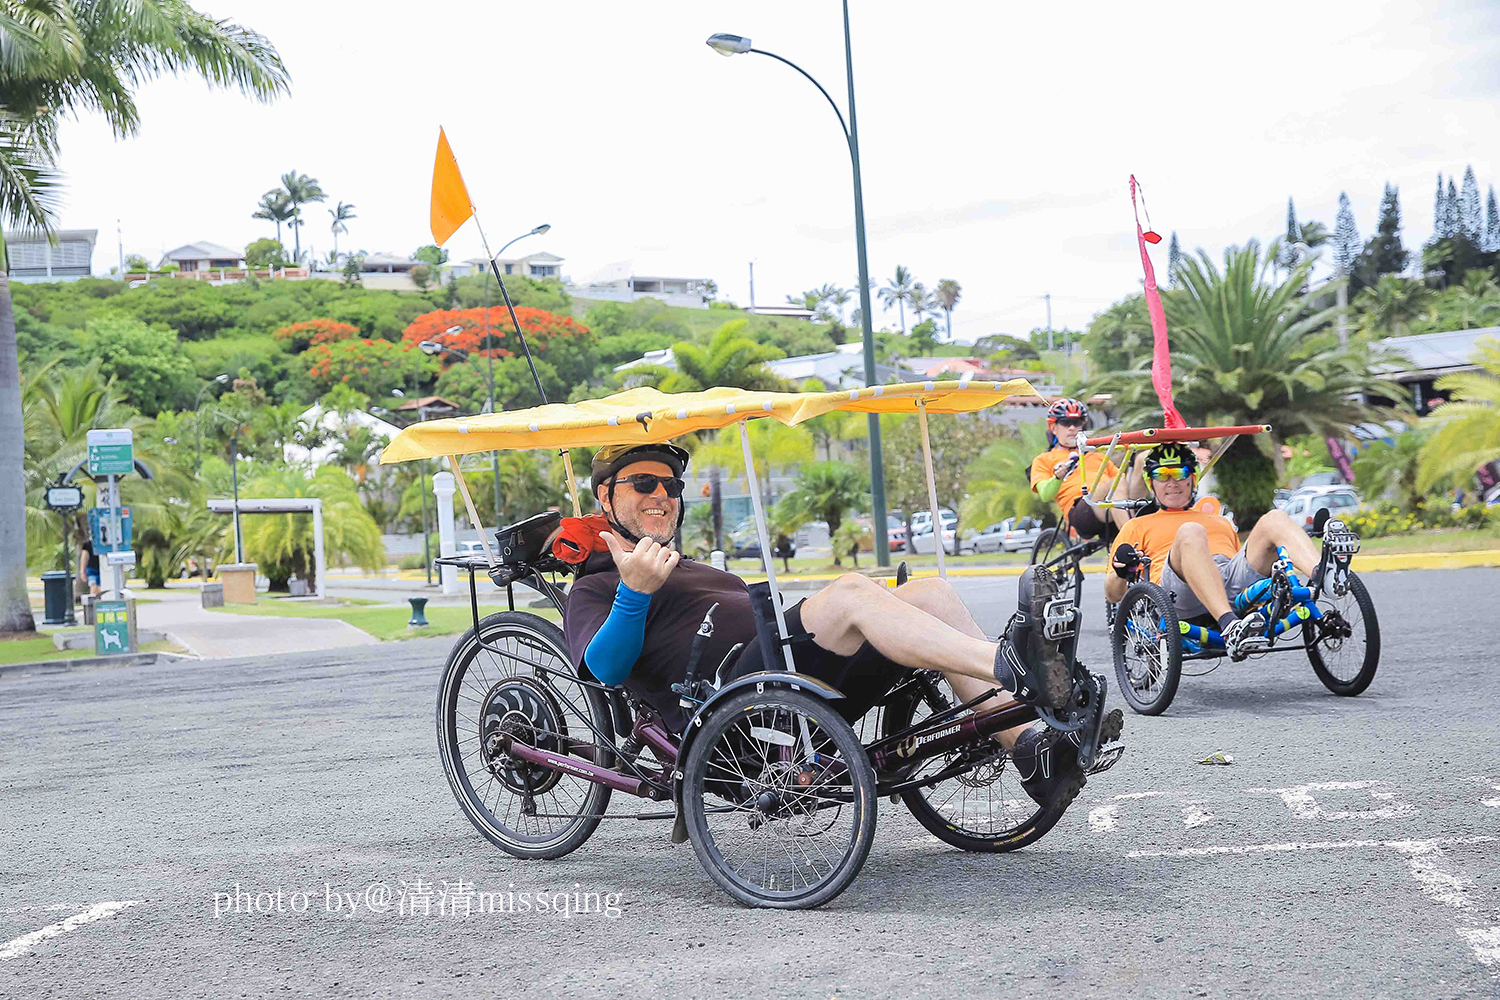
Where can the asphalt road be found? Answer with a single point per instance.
(1352, 849)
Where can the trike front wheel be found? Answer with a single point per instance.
(779, 798)
(1345, 646)
(489, 696)
(983, 808)
(1147, 641)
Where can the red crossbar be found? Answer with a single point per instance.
(1161, 435)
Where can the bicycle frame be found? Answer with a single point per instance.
(935, 736)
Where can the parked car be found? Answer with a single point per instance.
(1021, 535)
(988, 540)
(1339, 501)
(921, 538)
(923, 518)
(896, 536)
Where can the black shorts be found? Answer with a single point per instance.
(1088, 524)
(863, 679)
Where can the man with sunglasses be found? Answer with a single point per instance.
(633, 611)
(1196, 555)
(1055, 474)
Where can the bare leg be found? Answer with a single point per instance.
(854, 610)
(941, 601)
(1273, 529)
(1194, 562)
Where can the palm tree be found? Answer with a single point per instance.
(922, 303)
(273, 207)
(61, 58)
(342, 214)
(1393, 302)
(772, 445)
(897, 291)
(283, 543)
(300, 189)
(1246, 350)
(1475, 297)
(1383, 468)
(1467, 427)
(948, 292)
(999, 485)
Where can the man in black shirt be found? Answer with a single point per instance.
(632, 613)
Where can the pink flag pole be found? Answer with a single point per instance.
(1161, 351)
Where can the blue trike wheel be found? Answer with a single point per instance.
(1344, 646)
(1147, 641)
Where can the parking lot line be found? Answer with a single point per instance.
(21, 945)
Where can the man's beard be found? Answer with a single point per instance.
(632, 524)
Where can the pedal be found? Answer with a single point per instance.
(1107, 757)
(1058, 618)
(1339, 540)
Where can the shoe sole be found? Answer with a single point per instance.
(1056, 684)
(1114, 724)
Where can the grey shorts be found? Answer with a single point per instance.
(1236, 572)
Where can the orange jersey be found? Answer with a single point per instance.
(1071, 488)
(1153, 534)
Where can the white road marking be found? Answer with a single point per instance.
(1105, 817)
(1194, 816)
(21, 945)
(1492, 803)
(1299, 799)
(1320, 845)
(1426, 864)
(1485, 941)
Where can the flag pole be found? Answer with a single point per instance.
(567, 459)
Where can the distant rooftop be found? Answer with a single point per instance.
(1429, 355)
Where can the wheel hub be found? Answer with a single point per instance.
(521, 710)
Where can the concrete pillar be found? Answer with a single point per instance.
(320, 559)
(442, 489)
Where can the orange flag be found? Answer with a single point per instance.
(451, 207)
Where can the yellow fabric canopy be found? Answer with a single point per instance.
(649, 416)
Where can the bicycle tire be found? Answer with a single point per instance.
(1371, 625)
(1147, 605)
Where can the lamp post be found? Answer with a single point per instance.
(197, 405)
(432, 348)
(729, 45)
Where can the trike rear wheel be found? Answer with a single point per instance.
(984, 809)
(773, 825)
(1147, 641)
(1346, 647)
(486, 697)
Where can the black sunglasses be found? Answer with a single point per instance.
(1069, 422)
(645, 483)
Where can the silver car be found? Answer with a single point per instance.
(1339, 501)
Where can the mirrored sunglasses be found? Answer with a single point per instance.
(645, 483)
(1172, 473)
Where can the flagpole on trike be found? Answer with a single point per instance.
(937, 522)
(516, 324)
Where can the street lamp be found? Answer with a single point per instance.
(197, 404)
(432, 348)
(730, 45)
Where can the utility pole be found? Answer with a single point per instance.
(1048, 297)
(752, 286)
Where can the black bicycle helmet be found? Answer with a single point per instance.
(613, 457)
(1171, 455)
(1067, 407)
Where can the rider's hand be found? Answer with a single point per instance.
(1062, 469)
(1126, 559)
(646, 567)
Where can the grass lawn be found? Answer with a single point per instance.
(1441, 540)
(41, 648)
(384, 622)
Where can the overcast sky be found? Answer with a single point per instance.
(996, 138)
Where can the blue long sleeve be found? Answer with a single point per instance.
(613, 650)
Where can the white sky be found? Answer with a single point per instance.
(996, 138)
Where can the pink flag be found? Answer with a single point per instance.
(1161, 352)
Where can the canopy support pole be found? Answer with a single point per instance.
(463, 488)
(937, 522)
(765, 546)
(567, 458)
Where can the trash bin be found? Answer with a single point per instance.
(57, 596)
